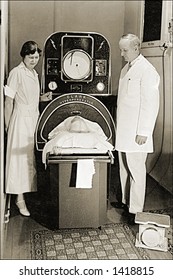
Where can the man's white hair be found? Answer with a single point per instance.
(133, 38)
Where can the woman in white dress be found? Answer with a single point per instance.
(22, 94)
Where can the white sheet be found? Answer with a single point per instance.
(68, 125)
(87, 165)
(62, 138)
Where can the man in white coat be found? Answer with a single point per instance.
(137, 110)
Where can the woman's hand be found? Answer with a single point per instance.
(46, 96)
(8, 111)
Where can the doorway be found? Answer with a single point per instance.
(3, 71)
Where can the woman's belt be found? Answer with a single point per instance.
(26, 109)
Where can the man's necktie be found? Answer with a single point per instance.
(129, 66)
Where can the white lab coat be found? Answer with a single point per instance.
(137, 106)
(24, 88)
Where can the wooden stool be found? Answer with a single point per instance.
(152, 231)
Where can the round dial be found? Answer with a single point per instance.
(77, 65)
(52, 85)
(100, 86)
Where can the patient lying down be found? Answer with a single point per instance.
(76, 135)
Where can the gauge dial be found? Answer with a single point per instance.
(77, 65)
(100, 86)
(52, 85)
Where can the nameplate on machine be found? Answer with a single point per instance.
(75, 98)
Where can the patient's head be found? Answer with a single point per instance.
(78, 125)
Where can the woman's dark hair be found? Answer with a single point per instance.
(29, 47)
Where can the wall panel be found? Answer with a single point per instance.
(28, 20)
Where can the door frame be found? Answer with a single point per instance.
(3, 71)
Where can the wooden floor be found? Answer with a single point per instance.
(17, 231)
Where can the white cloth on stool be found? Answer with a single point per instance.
(85, 172)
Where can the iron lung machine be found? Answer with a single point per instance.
(76, 68)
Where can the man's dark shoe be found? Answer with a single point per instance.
(125, 212)
(131, 219)
(119, 205)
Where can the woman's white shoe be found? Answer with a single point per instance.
(22, 208)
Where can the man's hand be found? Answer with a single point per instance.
(140, 140)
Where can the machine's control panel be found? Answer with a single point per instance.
(77, 62)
